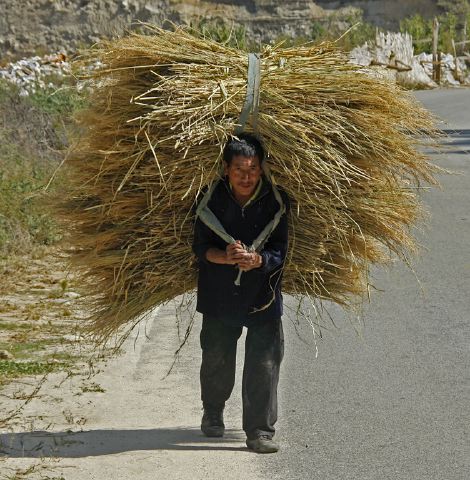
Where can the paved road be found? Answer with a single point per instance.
(396, 403)
(391, 404)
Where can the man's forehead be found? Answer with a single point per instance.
(242, 161)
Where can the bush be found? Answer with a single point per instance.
(60, 102)
(447, 32)
(361, 31)
(33, 133)
(420, 28)
(350, 30)
(332, 28)
(218, 30)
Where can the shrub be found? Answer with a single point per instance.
(451, 26)
(420, 29)
(218, 30)
(32, 139)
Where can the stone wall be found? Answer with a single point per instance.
(39, 26)
(385, 13)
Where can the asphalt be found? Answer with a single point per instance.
(386, 399)
(393, 403)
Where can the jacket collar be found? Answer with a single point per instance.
(261, 190)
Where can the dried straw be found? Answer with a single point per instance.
(343, 143)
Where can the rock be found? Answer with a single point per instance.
(153, 9)
(361, 55)
(395, 51)
(6, 355)
(29, 74)
(71, 295)
(48, 24)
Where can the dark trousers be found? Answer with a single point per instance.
(264, 349)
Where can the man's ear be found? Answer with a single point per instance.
(226, 168)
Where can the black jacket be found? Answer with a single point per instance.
(261, 287)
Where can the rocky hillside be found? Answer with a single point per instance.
(385, 13)
(39, 26)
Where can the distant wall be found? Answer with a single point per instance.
(385, 13)
(30, 26)
(39, 26)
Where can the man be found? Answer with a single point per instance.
(244, 203)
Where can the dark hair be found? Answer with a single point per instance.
(244, 144)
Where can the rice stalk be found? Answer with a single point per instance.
(345, 145)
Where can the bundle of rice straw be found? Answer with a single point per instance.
(343, 143)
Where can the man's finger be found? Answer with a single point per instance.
(239, 257)
(245, 262)
(235, 249)
(236, 255)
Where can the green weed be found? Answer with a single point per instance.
(16, 368)
(33, 136)
(453, 21)
(25, 349)
(65, 357)
(330, 28)
(93, 387)
(14, 326)
(62, 101)
(218, 30)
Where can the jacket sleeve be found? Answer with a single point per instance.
(275, 250)
(204, 238)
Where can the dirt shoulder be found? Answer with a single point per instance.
(38, 317)
(128, 419)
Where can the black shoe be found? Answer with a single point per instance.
(262, 444)
(212, 424)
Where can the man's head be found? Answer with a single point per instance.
(243, 157)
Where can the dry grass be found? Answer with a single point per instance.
(343, 143)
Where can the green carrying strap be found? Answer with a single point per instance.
(203, 212)
(252, 94)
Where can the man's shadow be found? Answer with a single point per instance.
(104, 442)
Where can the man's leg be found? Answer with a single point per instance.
(219, 350)
(264, 350)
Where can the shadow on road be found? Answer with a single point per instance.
(106, 442)
(460, 139)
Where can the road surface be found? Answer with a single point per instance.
(390, 403)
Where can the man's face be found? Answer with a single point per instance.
(243, 174)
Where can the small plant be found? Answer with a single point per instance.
(64, 285)
(420, 29)
(452, 23)
(12, 367)
(360, 30)
(349, 31)
(318, 31)
(93, 387)
(71, 420)
(62, 101)
(218, 30)
(29, 154)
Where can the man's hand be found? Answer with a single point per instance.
(251, 261)
(235, 252)
(245, 260)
